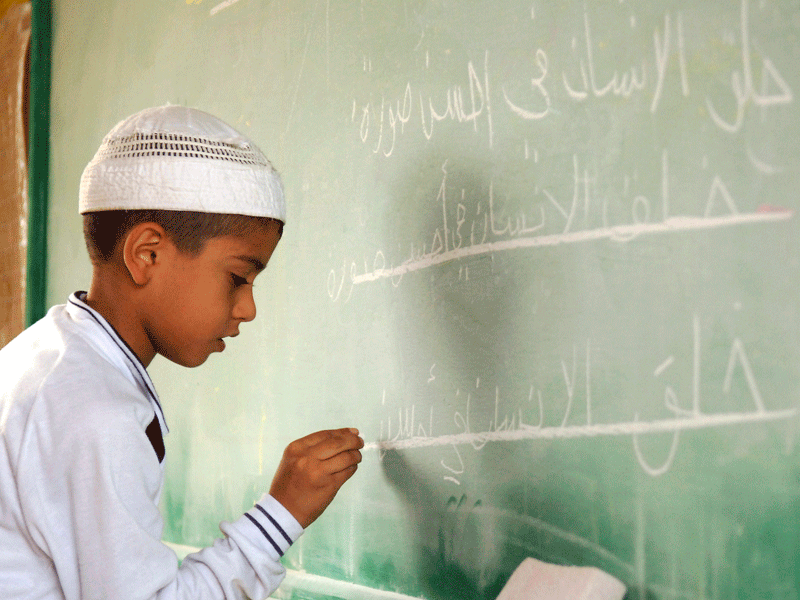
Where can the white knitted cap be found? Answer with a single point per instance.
(178, 158)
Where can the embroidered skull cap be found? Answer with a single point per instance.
(179, 158)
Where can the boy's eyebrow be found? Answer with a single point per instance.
(257, 264)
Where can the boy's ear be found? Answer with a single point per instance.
(142, 249)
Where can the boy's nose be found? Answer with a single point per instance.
(245, 307)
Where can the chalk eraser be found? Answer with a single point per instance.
(537, 580)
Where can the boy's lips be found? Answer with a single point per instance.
(222, 341)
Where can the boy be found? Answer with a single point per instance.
(181, 213)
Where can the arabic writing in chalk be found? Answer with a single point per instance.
(518, 421)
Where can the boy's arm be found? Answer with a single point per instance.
(311, 472)
(91, 487)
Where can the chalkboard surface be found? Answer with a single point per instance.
(543, 254)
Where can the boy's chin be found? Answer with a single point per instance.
(190, 361)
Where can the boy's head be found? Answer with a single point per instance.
(189, 211)
(182, 168)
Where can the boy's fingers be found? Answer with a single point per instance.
(342, 461)
(318, 437)
(335, 442)
(343, 475)
(345, 467)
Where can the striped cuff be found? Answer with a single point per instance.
(274, 524)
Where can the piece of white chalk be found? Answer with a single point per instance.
(537, 580)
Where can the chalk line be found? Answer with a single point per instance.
(222, 6)
(316, 584)
(616, 233)
(522, 520)
(530, 432)
(663, 366)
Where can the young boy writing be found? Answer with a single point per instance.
(181, 213)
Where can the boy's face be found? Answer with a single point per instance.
(199, 300)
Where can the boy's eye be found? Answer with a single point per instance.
(237, 280)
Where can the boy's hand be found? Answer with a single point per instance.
(313, 469)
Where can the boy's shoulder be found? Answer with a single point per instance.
(54, 346)
(58, 371)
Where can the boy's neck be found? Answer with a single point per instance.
(115, 299)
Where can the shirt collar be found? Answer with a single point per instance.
(125, 356)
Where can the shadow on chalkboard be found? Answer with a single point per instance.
(444, 573)
(451, 554)
(450, 317)
(441, 574)
(470, 318)
(480, 312)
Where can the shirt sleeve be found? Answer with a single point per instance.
(261, 535)
(90, 482)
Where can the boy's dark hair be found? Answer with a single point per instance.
(188, 230)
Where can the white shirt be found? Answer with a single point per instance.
(81, 473)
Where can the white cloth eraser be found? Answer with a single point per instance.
(537, 580)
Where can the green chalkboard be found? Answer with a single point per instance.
(543, 254)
